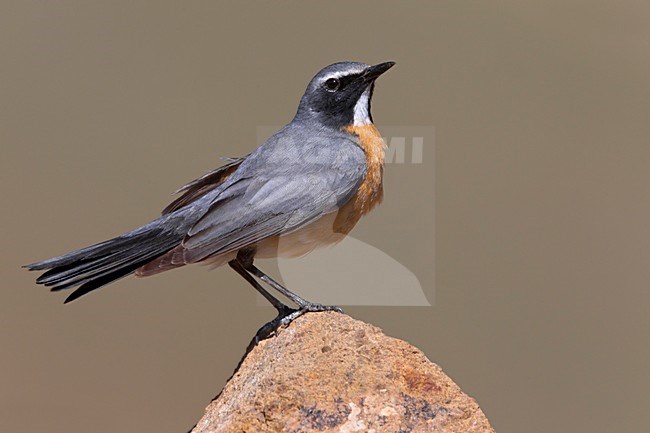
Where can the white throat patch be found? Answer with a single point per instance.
(361, 113)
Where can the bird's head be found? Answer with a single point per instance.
(339, 95)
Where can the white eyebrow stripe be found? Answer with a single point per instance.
(340, 74)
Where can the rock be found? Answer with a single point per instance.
(327, 372)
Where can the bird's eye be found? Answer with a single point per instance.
(332, 84)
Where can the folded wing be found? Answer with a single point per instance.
(273, 202)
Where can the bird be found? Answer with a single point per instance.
(305, 187)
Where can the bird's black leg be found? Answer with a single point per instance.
(303, 305)
(243, 264)
(285, 313)
(283, 310)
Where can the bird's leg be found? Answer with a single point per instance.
(243, 264)
(285, 313)
(283, 310)
(303, 305)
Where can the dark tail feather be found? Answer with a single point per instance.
(95, 266)
(105, 278)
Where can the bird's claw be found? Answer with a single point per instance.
(312, 307)
(293, 314)
(286, 315)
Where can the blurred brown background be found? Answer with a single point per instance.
(542, 197)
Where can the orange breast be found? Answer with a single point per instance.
(371, 191)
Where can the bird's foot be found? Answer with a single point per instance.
(308, 307)
(286, 315)
(270, 328)
(311, 307)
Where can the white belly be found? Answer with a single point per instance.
(300, 242)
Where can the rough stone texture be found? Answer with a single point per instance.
(327, 372)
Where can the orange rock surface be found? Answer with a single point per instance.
(327, 372)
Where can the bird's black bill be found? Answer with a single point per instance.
(375, 71)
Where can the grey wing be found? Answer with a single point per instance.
(274, 203)
(203, 185)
